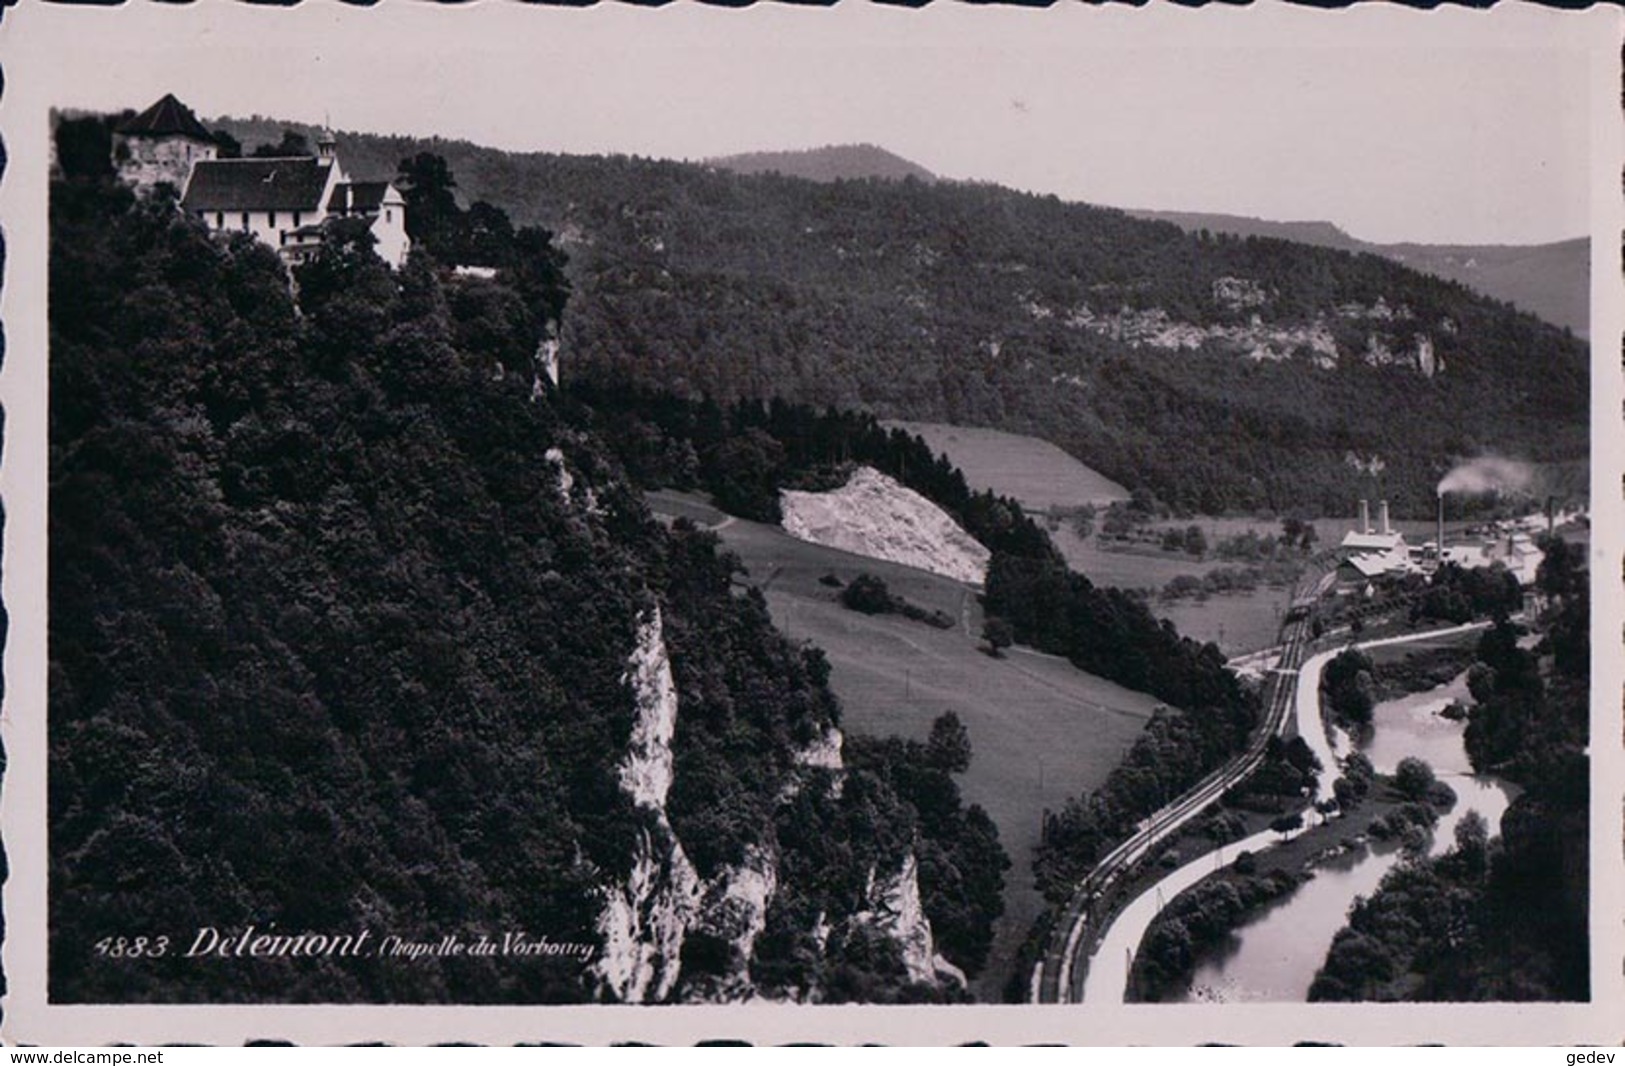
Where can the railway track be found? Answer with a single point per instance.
(1058, 976)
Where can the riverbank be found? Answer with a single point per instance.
(1264, 952)
(1200, 921)
(1122, 919)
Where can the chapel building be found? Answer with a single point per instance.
(282, 201)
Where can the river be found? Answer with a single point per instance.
(1273, 958)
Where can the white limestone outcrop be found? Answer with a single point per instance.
(875, 516)
(646, 918)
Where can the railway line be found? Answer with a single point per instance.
(1059, 974)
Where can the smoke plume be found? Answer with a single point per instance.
(1487, 474)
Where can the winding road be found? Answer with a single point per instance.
(1104, 978)
(1058, 977)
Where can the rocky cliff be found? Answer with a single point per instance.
(1375, 334)
(647, 918)
(416, 658)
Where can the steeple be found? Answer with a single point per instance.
(326, 145)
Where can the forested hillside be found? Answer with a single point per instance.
(746, 453)
(1550, 280)
(1219, 373)
(354, 629)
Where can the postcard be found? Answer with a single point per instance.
(1087, 524)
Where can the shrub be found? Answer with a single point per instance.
(1414, 778)
(867, 594)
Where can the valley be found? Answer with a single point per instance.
(1041, 730)
(794, 577)
(1221, 373)
(1052, 484)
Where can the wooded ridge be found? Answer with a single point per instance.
(1220, 373)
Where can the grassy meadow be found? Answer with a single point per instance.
(1041, 730)
(1034, 472)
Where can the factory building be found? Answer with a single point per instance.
(1368, 554)
(1371, 554)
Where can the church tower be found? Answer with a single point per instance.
(160, 145)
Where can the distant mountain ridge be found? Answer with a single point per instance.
(1552, 280)
(834, 162)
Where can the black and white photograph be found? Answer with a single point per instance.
(688, 521)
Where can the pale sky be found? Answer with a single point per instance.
(1448, 126)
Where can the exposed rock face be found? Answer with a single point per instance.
(1377, 312)
(547, 361)
(662, 902)
(1377, 352)
(566, 479)
(875, 516)
(644, 920)
(1426, 360)
(1237, 294)
(567, 483)
(824, 753)
(1257, 340)
(1311, 340)
(1371, 465)
(895, 910)
(647, 770)
(1420, 356)
(734, 909)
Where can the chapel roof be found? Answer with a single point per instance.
(167, 118)
(291, 184)
(365, 197)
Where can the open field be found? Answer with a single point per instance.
(781, 565)
(1041, 730)
(674, 504)
(1238, 624)
(1138, 569)
(1034, 472)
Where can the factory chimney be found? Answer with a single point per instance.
(1551, 514)
(1365, 518)
(1382, 516)
(1441, 529)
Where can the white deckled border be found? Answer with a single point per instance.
(31, 33)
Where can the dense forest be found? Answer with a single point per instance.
(982, 306)
(343, 610)
(1498, 917)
